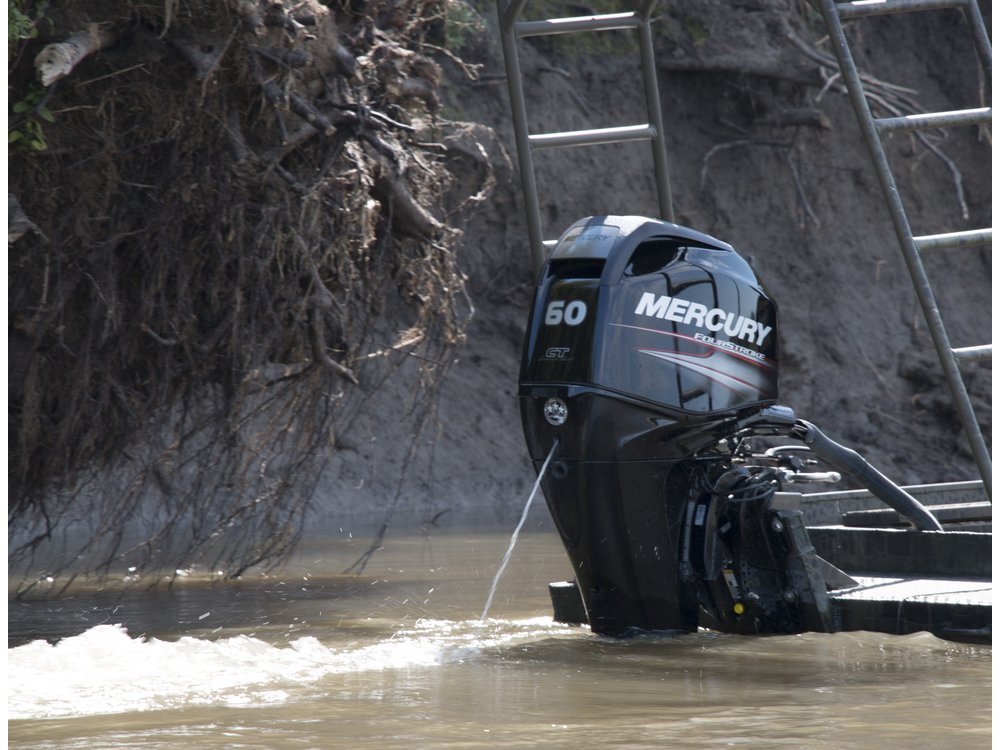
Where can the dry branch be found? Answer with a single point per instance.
(893, 99)
(58, 60)
(319, 350)
(297, 104)
(291, 58)
(408, 215)
(739, 64)
(205, 57)
(18, 223)
(250, 15)
(796, 117)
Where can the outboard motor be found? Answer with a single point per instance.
(651, 354)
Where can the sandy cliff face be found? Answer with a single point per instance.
(764, 155)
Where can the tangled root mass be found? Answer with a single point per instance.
(239, 222)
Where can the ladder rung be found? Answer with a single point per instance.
(973, 353)
(878, 7)
(607, 22)
(954, 240)
(931, 120)
(593, 137)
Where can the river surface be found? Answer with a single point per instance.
(310, 658)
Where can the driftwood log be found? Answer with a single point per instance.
(58, 60)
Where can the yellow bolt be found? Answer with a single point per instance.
(738, 608)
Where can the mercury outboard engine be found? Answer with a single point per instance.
(650, 358)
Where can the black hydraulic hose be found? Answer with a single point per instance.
(850, 462)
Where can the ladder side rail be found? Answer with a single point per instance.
(511, 29)
(508, 15)
(918, 274)
(980, 37)
(655, 112)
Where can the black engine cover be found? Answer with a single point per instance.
(646, 341)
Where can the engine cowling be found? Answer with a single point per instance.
(647, 341)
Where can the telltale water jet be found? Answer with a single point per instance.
(517, 530)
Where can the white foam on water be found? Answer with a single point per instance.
(105, 670)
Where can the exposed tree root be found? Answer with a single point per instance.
(883, 96)
(58, 60)
(240, 196)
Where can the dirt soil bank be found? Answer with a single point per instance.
(768, 160)
(295, 305)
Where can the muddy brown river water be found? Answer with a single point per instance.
(307, 657)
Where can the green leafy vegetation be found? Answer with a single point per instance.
(27, 110)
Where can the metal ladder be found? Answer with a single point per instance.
(872, 129)
(512, 29)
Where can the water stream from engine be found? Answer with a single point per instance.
(517, 531)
